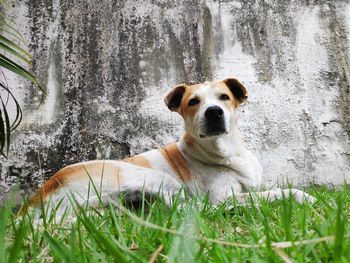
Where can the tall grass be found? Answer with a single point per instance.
(193, 231)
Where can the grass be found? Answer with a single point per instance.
(193, 231)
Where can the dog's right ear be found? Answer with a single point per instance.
(174, 97)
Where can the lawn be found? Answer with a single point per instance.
(193, 231)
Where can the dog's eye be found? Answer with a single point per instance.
(224, 97)
(193, 102)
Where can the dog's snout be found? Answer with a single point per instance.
(215, 120)
(214, 113)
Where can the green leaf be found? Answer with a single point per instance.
(5, 126)
(10, 30)
(2, 133)
(7, 133)
(14, 67)
(7, 44)
(18, 117)
(11, 45)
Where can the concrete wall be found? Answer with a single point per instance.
(107, 64)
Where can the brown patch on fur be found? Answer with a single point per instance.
(176, 161)
(77, 171)
(53, 184)
(189, 140)
(139, 161)
(186, 110)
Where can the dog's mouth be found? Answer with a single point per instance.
(214, 131)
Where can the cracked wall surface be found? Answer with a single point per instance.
(107, 64)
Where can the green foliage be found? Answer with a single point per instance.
(193, 231)
(11, 55)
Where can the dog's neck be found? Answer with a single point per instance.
(217, 150)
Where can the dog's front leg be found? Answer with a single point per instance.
(275, 194)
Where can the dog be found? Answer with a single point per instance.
(209, 159)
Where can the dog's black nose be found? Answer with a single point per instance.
(214, 113)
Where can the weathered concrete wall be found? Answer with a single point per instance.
(107, 65)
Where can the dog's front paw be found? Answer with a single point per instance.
(301, 196)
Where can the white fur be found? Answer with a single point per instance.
(219, 165)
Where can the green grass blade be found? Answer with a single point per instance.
(4, 217)
(14, 251)
(194, 231)
(267, 230)
(104, 242)
(91, 182)
(339, 230)
(286, 216)
(60, 250)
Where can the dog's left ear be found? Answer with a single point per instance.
(237, 89)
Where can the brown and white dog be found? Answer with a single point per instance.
(210, 158)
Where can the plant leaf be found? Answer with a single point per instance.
(19, 70)
(7, 134)
(13, 45)
(10, 30)
(18, 117)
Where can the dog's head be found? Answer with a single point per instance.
(208, 108)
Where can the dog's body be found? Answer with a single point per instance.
(210, 158)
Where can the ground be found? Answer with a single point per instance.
(193, 231)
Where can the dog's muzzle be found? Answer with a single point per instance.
(215, 121)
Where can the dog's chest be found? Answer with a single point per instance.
(219, 182)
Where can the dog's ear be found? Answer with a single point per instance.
(237, 89)
(174, 96)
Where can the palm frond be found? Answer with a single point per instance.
(19, 70)
(11, 55)
(14, 47)
(10, 30)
